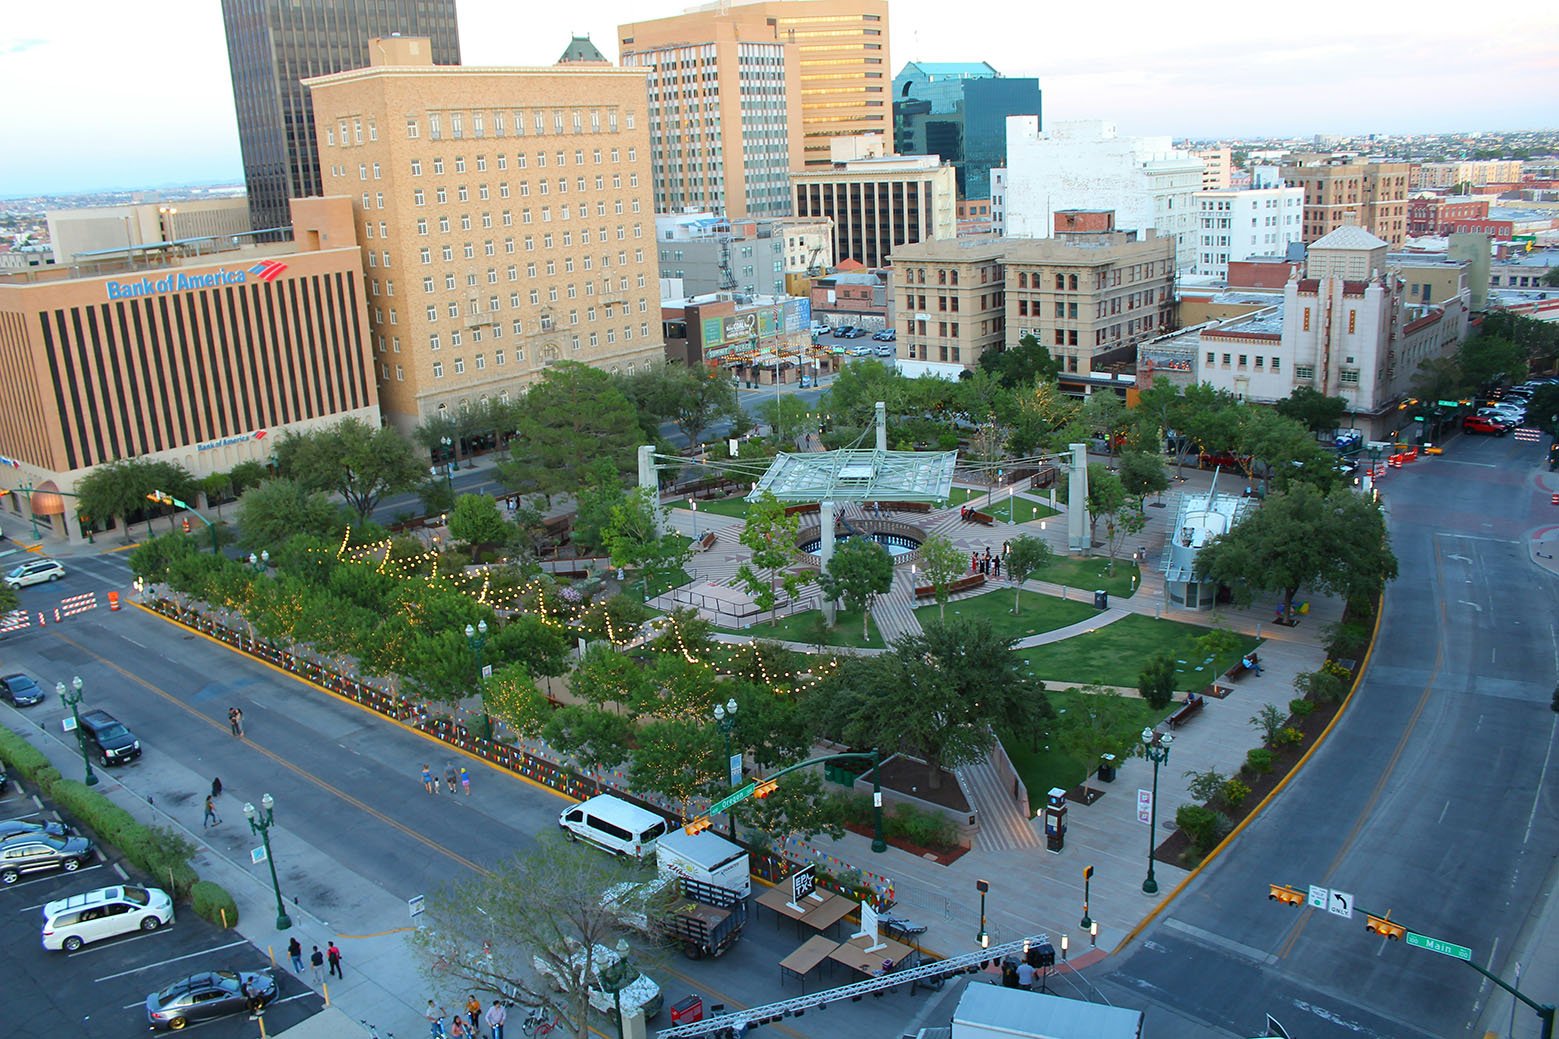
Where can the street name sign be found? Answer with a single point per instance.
(1423, 941)
(734, 797)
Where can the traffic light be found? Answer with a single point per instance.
(694, 826)
(1384, 927)
(1285, 894)
(765, 788)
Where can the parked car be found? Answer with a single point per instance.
(1505, 413)
(69, 923)
(843, 331)
(214, 993)
(16, 827)
(609, 972)
(807, 381)
(860, 351)
(109, 739)
(38, 571)
(887, 335)
(884, 351)
(1485, 425)
(37, 853)
(852, 333)
(20, 689)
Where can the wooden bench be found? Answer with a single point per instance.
(705, 543)
(1191, 706)
(982, 518)
(1238, 671)
(801, 510)
(963, 584)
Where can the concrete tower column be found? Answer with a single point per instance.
(649, 479)
(825, 550)
(882, 426)
(1077, 539)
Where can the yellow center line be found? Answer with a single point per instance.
(309, 777)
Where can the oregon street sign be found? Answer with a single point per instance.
(1423, 941)
(734, 797)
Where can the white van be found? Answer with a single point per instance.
(613, 824)
(707, 857)
(70, 923)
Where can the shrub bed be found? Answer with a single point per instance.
(212, 902)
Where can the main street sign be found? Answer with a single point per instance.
(1423, 941)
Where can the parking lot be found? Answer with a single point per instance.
(101, 990)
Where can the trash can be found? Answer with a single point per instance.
(1101, 599)
(1107, 768)
(688, 1010)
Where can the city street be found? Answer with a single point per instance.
(1433, 798)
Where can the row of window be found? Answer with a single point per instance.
(1262, 363)
(521, 161)
(419, 196)
(514, 303)
(514, 123)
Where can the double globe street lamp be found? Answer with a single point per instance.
(1155, 746)
(260, 822)
(72, 699)
(725, 718)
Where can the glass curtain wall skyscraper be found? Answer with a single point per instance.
(273, 45)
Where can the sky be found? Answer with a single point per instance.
(104, 94)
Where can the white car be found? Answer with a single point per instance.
(606, 965)
(38, 571)
(70, 923)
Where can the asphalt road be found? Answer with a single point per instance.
(1433, 798)
(346, 785)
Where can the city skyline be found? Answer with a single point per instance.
(104, 121)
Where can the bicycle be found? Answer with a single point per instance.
(373, 1032)
(538, 1022)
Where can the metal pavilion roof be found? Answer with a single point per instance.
(859, 475)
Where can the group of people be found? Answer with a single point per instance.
(988, 565)
(467, 1025)
(452, 776)
(317, 960)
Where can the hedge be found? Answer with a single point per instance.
(22, 756)
(212, 902)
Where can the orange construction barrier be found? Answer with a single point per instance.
(113, 601)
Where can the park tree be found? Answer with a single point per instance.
(352, 459)
(1156, 682)
(631, 539)
(510, 695)
(1155, 414)
(771, 536)
(1098, 723)
(1312, 409)
(437, 495)
(1106, 496)
(1043, 419)
(1026, 556)
(9, 599)
(777, 729)
(154, 557)
(1021, 366)
(605, 676)
(596, 739)
(598, 491)
(936, 696)
(542, 649)
(270, 514)
(482, 931)
(119, 489)
(1125, 521)
(574, 415)
(691, 398)
(1439, 378)
(853, 396)
(476, 521)
(1104, 414)
(247, 474)
(786, 417)
(1270, 442)
(1142, 473)
(859, 571)
(679, 758)
(1210, 418)
(943, 563)
(798, 807)
(1488, 360)
(1299, 537)
(216, 487)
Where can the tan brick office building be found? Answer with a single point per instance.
(1372, 195)
(950, 299)
(202, 360)
(846, 76)
(506, 220)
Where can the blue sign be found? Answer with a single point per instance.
(266, 271)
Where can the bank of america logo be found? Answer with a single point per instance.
(268, 270)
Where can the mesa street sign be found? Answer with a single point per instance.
(1423, 941)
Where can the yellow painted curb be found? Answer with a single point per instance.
(1380, 611)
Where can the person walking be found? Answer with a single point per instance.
(465, 784)
(235, 719)
(333, 954)
(451, 777)
(435, 1016)
(295, 952)
(996, 567)
(497, 1017)
(210, 818)
(428, 782)
(317, 961)
(216, 787)
(474, 1013)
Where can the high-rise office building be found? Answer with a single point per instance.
(878, 202)
(842, 58)
(721, 111)
(958, 110)
(505, 220)
(273, 45)
(1339, 193)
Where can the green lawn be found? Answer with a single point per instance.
(1116, 653)
(1089, 573)
(733, 507)
(1042, 769)
(1040, 612)
(807, 627)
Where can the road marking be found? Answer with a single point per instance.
(1442, 813)
(1539, 786)
(39, 880)
(1469, 602)
(95, 946)
(1219, 941)
(164, 963)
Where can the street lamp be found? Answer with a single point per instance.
(1087, 921)
(449, 480)
(983, 887)
(260, 562)
(476, 638)
(692, 503)
(725, 718)
(623, 980)
(1093, 934)
(1156, 746)
(260, 822)
(70, 699)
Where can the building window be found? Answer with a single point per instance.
(1348, 376)
(438, 370)
(1277, 364)
(1307, 320)
(1304, 371)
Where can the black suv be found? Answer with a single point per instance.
(109, 739)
